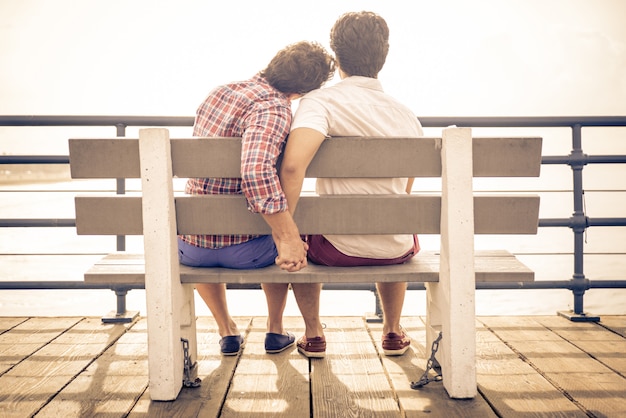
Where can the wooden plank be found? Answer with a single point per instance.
(490, 266)
(111, 384)
(108, 215)
(7, 323)
(615, 323)
(430, 400)
(25, 337)
(350, 380)
(518, 328)
(592, 385)
(494, 214)
(396, 157)
(608, 348)
(602, 394)
(104, 158)
(525, 390)
(33, 382)
(274, 385)
(506, 157)
(214, 370)
(346, 214)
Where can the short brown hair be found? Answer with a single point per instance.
(360, 41)
(299, 68)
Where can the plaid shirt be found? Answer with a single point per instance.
(261, 116)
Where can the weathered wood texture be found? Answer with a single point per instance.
(542, 366)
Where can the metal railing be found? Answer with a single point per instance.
(576, 160)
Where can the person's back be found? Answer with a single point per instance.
(356, 106)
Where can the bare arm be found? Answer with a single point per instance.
(291, 249)
(301, 147)
(260, 184)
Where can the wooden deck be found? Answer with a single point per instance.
(533, 366)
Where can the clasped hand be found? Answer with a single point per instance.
(291, 254)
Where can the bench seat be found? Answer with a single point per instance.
(489, 266)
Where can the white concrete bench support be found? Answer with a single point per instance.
(451, 301)
(169, 304)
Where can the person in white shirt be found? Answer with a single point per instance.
(356, 106)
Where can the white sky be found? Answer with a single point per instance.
(448, 57)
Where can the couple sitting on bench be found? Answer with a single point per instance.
(259, 111)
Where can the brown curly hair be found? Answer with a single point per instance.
(299, 68)
(360, 41)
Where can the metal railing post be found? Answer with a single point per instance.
(579, 223)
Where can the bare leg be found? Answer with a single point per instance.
(392, 299)
(276, 296)
(308, 299)
(214, 295)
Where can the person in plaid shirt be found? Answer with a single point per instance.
(259, 111)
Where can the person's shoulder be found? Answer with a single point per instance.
(319, 93)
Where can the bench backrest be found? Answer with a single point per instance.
(338, 157)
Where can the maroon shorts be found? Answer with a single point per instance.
(323, 252)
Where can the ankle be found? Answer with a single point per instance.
(229, 330)
(396, 329)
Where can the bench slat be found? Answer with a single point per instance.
(394, 157)
(490, 266)
(498, 214)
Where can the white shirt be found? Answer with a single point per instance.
(357, 106)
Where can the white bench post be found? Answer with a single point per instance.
(169, 304)
(451, 301)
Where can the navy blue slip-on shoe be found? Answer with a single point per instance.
(230, 345)
(276, 343)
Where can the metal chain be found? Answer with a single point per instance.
(187, 382)
(431, 364)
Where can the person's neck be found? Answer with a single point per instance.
(343, 74)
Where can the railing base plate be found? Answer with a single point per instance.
(579, 317)
(115, 318)
(373, 318)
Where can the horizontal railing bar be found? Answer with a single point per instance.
(34, 159)
(585, 159)
(523, 121)
(427, 121)
(569, 222)
(55, 120)
(63, 284)
(67, 222)
(552, 159)
(541, 284)
(37, 223)
(553, 284)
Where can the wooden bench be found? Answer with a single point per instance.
(456, 215)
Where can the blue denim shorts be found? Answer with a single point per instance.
(256, 253)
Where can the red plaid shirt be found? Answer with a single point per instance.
(261, 116)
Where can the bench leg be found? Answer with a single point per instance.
(457, 349)
(168, 302)
(451, 301)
